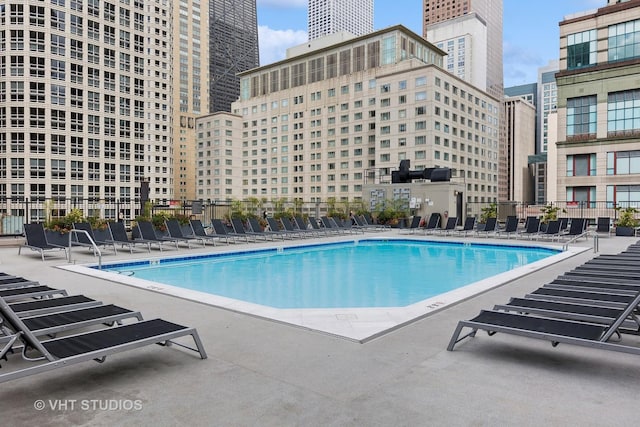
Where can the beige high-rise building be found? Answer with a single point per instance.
(323, 123)
(599, 107)
(466, 16)
(190, 89)
(520, 118)
(86, 101)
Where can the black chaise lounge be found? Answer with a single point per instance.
(432, 224)
(221, 230)
(119, 237)
(555, 330)
(36, 240)
(64, 321)
(175, 232)
(94, 345)
(147, 233)
(198, 230)
(90, 239)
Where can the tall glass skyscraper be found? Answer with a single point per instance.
(332, 16)
(233, 48)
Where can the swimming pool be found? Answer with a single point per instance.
(354, 320)
(372, 273)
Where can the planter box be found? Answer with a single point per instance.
(625, 231)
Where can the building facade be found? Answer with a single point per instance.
(190, 89)
(520, 118)
(321, 124)
(332, 16)
(467, 17)
(598, 150)
(86, 100)
(233, 48)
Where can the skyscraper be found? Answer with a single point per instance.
(331, 16)
(190, 89)
(438, 14)
(233, 48)
(84, 102)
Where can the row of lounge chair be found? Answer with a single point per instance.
(588, 306)
(553, 230)
(145, 235)
(51, 329)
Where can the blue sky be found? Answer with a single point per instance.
(530, 29)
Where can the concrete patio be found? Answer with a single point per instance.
(263, 373)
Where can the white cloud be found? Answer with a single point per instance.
(274, 43)
(282, 3)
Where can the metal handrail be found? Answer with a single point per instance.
(577, 236)
(96, 250)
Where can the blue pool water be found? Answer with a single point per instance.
(370, 273)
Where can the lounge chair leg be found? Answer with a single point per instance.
(455, 338)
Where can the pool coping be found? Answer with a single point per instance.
(356, 324)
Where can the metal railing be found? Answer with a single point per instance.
(96, 250)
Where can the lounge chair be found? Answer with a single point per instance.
(450, 226)
(93, 345)
(198, 230)
(54, 323)
(551, 232)
(576, 228)
(39, 291)
(221, 230)
(316, 227)
(532, 228)
(362, 224)
(147, 233)
(274, 227)
(432, 224)
(175, 232)
(604, 299)
(301, 224)
(119, 237)
(36, 240)
(551, 329)
(490, 227)
(603, 225)
(572, 311)
(89, 239)
(238, 228)
(289, 228)
(257, 229)
(468, 227)
(511, 227)
(7, 282)
(415, 224)
(52, 305)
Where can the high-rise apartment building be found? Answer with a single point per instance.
(233, 48)
(548, 102)
(599, 107)
(86, 100)
(520, 117)
(332, 16)
(449, 23)
(190, 89)
(321, 124)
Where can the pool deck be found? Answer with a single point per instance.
(265, 373)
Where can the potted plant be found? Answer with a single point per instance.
(627, 222)
(549, 213)
(490, 211)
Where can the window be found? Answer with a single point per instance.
(624, 41)
(623, 112)
(581, 49)
(584, 195)
(623, 162)
(581, 165)
(581, 116)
